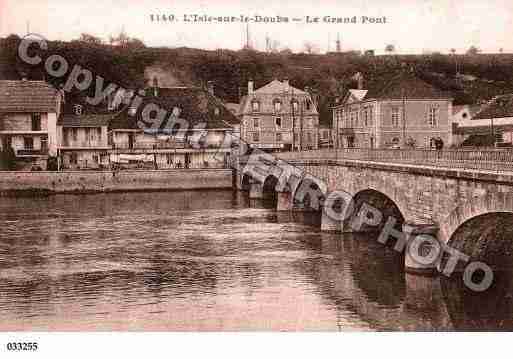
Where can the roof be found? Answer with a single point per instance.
(278, 87)
(402, 85)
(193, 104)
(473, 109)
(27, 96)
(405, 84)
(359, 94)
(498, 107)
(233, 107)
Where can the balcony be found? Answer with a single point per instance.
(31, 152)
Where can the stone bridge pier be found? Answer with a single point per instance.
(421, 211)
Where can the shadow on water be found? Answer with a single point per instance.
(215, 260)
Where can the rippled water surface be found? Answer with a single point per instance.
(213, 260)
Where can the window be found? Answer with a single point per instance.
(433, 116)
(99, 133)
(278, 121)
(279, 137)
(499, 138)
(74, 134)
(308, 105)
(396, 117)
(77, 109)
(44, 144)
(309, 137)
(277, 105)
(256, 137)
(256, 123)
(255, 106)
(28, 143)
(295, 105)
(365, 117)
(371, 115)
(296, 137)
(36, 121)
(73, 158)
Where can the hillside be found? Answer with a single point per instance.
(329, 76)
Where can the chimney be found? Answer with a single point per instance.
(210, 87)
(251, 87)
(360, 82)
(155, 87)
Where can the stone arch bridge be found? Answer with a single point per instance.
(439, 198)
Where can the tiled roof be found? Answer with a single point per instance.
(278, 87)
(27, 96)
(499, 107)
(405, 84)
(195, 105)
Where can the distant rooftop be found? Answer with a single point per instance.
(27, 96)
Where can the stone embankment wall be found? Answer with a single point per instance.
(112, 181)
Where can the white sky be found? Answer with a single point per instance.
(413, 25)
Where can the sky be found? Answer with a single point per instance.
(412, 26)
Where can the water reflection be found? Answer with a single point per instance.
(214, 260)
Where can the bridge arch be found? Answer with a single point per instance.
(384, 203)
(310, 193)
(481, 228)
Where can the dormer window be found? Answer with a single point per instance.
(216, 111)
(78, 109)
(255, 105)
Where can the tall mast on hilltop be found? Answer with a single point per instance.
(339, 47)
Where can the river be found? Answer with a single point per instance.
(210, 261)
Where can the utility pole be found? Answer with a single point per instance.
(293, 120)
(301, 126)
(404, 118)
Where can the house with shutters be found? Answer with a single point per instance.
(399, 110)
(28, 121)
(192, 133)
(279, 117)
(82, 132)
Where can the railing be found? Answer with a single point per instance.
(489, 160)
(31, 152)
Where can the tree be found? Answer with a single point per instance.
(453, 51)
(390, 49)
(90, 39)
(310, 47)
(473, 50)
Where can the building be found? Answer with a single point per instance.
(393, 111)
(462, 116)
(199, 138)
(28, 121)
(83, 140)
(492, 125)
(269, 114)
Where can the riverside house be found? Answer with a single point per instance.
(28, 121)
(83, 140)
(491, 126)
(160, 148)
(279, 117)
(393, 111)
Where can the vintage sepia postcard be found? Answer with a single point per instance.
(242, 166)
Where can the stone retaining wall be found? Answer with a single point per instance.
(111, 181)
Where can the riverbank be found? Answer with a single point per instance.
(76, 182)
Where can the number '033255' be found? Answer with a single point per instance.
(21, 346)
